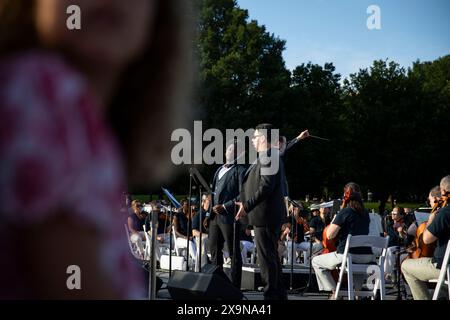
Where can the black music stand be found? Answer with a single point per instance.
(293, 247)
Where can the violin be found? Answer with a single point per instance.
(164, 216)
(419, 249)
(302, 221)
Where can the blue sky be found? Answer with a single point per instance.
(336, 31)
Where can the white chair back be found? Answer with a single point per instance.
(349, 267)
(445, 269)
(136, 253)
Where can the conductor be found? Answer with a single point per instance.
(262, 201)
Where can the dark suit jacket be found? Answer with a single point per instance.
(228, 191)
(262, 195)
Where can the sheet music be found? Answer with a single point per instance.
(171, 198)
(421, 217)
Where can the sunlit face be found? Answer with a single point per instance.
(323, 212)
(137, 209)
(258, 140)
(395, 215)
(229, 153)
(112, 32)
(431, 199)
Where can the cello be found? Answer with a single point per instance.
(419, 249)
(328, 244)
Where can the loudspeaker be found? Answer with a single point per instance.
(159, 281)
(186, 285)
(214, 269)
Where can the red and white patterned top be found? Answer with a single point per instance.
(57, 154)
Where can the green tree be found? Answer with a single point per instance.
(315, 104)
(242, 73)
(382, 117)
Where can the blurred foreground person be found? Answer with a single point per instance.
(74, 113)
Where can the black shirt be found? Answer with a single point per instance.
(138, 223)
(318, 225)
(196, 222)
(162, 225)
(244, 235)
(352, 223)
(394, 237)
(440, 228)
(182, 224)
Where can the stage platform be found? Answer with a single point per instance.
(252, 289)
(251, 277)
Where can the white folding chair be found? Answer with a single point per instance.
(445, 269)
(366, 268)
(136, 251)
(178, 250)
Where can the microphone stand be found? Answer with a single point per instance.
(170, 240)
(199, 251)
(152, 271)
(308, 285)
(189, 220)
(235, 222)
(291, 288)
(399, 274)
(292, 250)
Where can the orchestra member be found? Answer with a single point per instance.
(183, 227)
(352, 219)
(419, 271)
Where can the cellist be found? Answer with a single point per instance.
(417, 272)
(352, 219)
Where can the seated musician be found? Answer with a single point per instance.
(300, 225)
(136, 221)
(164, 223)
(247, 244)
(316, 227)
(197, 223)
(417, 272)
(396, 230)
(352, 219)
(396, 227)
(180, 224)
(284, 237)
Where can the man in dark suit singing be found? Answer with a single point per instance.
(262, 201)
(226, 186)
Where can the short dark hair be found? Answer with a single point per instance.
(266, 130)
